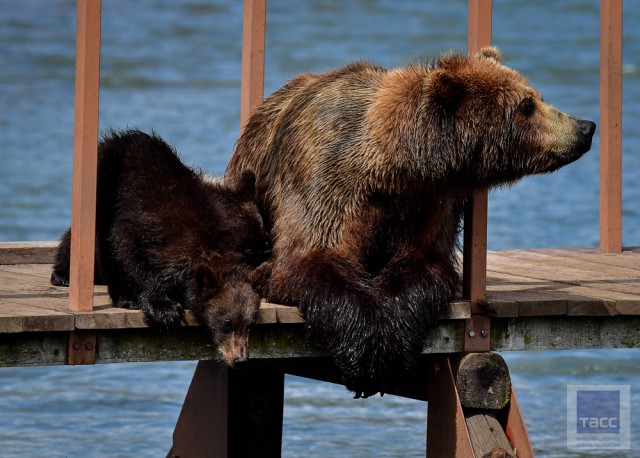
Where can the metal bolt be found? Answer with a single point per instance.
(76, 346)
(472, 333)
(484, 333)
(88, 346)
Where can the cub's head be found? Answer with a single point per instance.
(497, 127)
(224, 302)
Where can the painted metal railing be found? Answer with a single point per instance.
(253, 49)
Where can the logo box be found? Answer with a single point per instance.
(598, 417)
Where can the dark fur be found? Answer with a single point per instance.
(168, 239)
(361, 176)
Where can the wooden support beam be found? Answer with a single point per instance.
(447, 433)
(473, 411)
(611, 126)
(477, 328)
(85, 155)
(253, 30)
(483, 381)
(229, 413)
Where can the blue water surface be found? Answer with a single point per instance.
(175, 67)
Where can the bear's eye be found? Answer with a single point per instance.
(527, 107)
(227, 326)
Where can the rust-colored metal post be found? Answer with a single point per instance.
(229, 413)
(85, 154)
(516, 430)
(611, 126)
(253, 28)
(475, 218)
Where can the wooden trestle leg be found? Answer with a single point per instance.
(231, 413)
(473, 411)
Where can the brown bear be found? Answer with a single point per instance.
(168, 238)
(361, 176)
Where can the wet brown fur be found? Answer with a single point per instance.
(361, 175)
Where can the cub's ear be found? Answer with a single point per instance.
(490, 52)
(207, 280)
(247, 186)
(446, 89)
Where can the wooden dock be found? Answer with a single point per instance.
(537, 299)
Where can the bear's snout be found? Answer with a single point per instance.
(586, 129)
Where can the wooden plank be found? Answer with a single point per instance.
(85, 154)
(32, 319)
(552, 260)
(563, 333)
(33, 349)
(487, 435)
(539, 298)
(27, 252)
(37, 274)
(611, 126)
(564, 272)
(108, 317)
(271, 342)
(252, 82)
(630, 256)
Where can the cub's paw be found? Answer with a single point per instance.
(59, 278)
(163, 314)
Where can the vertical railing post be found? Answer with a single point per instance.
(253, 29)
(611, 126)
(85, 143)
(475, 218)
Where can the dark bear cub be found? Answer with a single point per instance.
(168, 238)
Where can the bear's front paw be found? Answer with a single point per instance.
(163, 314)
(59, 278)
(366, 389)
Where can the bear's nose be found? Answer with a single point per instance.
(587, 128)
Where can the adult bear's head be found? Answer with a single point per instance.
(494, 124)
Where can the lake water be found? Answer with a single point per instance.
(174, 67)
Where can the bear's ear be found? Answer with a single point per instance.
(446, 88)
(489, 52)
(206, 279)
(247, 186)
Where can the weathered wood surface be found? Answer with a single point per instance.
(488, 438)
(483, 381)
(538, 299)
